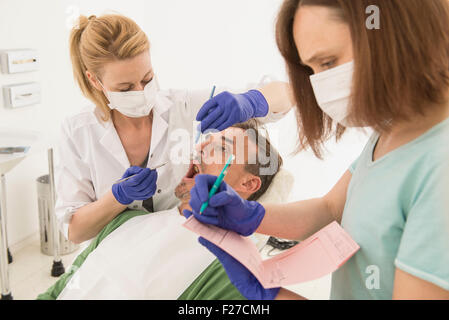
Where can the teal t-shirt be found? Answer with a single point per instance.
(397, 210)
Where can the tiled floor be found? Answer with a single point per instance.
(30, 275)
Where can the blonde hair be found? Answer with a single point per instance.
(97, 41)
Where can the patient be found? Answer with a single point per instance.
(152, 256)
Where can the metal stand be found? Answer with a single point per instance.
(3, 187)
(57, 268)
(5, 288)
(10, 260)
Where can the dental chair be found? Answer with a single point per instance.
(185, 286)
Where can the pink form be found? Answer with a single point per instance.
(321, 254)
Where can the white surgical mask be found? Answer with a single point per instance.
(134, 104)
(332, 90)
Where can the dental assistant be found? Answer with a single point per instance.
(127, 130)
(393, 200)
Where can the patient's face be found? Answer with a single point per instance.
(213, 152)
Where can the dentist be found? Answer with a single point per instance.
(127, 131)
(393, 200)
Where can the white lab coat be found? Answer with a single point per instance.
(91, 156)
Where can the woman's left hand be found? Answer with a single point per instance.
(226, 209)
(240, 277)
(227, 109)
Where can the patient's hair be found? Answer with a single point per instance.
(263, 145)
(400, 71)
(97, 41)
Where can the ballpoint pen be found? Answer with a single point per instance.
(157, 167)
(217, 183)
(198, 132)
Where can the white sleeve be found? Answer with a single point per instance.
(73, 182)
(271, 116)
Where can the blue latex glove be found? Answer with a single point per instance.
(240, 277)
(226, 208)
(140, 187)
(227, 109)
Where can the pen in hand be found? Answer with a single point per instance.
(217, 183)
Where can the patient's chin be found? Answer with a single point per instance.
(182, 190)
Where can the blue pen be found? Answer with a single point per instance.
(198, 133)
(217, 183)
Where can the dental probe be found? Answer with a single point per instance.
(198, 133)
(157, 167)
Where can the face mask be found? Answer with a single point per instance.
(134, 104)
(332, 90)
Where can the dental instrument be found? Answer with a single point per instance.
(198, 133)
(217, 183)
(156, 167)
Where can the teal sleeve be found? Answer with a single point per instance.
(353, 166)
(424, 246)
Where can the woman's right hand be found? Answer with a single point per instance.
(140, 187)
(226, 208)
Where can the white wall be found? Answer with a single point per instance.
(198, 43)
(195, 44)
(42, 25)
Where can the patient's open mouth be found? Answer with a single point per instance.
(194, 169)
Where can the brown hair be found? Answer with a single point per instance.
(400, 70)
(97, 41)
(263, 145)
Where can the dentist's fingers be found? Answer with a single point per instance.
(203, 183)
(226, 124)
(150, 180)
(206, 108)
(210, 119)
(194, 202)
(196, 205)
(225, 120)
(220, 199)
(218, 122)
(131, 171)
(136, 180)
(209, 212)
